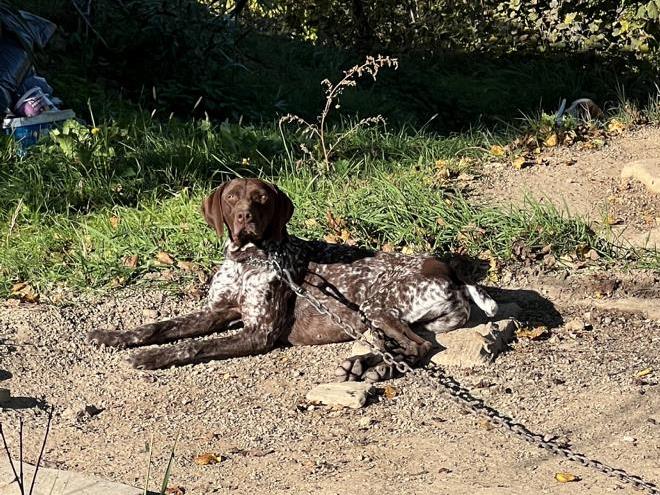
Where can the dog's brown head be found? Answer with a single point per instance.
(253, 211)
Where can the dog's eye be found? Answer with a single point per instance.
(230, 197)
(263, 198)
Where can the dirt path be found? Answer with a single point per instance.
(579, 385)
(586, 182)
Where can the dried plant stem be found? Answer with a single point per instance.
(333, 92)
(41, 452)
(11, 462)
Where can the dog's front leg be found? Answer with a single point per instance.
(264, 313)
(191, 325)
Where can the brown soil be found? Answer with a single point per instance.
(584, 181)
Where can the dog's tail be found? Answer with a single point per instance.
(482, 299)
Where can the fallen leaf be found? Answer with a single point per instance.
(330, 239)
(186, 266)
(390, 392)
(497, 150)
(24, 292)
(566, 477)
(16, 288)
(616, 126)
(441, 164)
(335, 223)
(164, 258)
(551, 140)
(387, 248)
(130, 261)
(207, 458)
(612, 220)
(644, 372)
(407, 250)
(114, 221)
(175, 490)
(518, 162)
(311, 223)
(536, 333)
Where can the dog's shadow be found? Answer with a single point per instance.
(535, 309)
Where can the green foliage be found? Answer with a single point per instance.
(598, 26)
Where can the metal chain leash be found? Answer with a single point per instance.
(462, 396)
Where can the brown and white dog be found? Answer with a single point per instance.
(397, 293)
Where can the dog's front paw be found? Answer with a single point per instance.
(150, 359)
(108, 338)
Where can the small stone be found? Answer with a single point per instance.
(366, 422)
(575, 325)
(655, 419)
(348, 394)
(92, 410)
(150, 314)
(467, 347)
(629, 439)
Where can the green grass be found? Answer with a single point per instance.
(77, 206)
(72, 213)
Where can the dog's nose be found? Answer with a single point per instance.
(244, 216)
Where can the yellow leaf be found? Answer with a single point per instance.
(345, 235)
(616, 126)
(164, 258)
(114, 221)
(207, 458)
(330, 239)
(497, 150)
(536, 333)
(551, 140)
(518, 162)
(644, 372)
(566, 477)
(612, 220)
(570, 17)
(441, 164)
(407, 250)
(311, 223)
(390, 392)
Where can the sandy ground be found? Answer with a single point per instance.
(584, 181)
(581, 386)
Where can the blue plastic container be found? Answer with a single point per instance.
(27, 131)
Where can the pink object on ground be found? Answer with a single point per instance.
(33, 103)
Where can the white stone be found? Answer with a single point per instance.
(57, 482)
(347, 394)
(645, 171)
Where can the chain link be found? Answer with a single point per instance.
(459, 394)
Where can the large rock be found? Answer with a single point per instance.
(478, 343)
(347, 394)
(645, 171)
(57, 482)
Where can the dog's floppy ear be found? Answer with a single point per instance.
(212, 210)
(282, 213)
